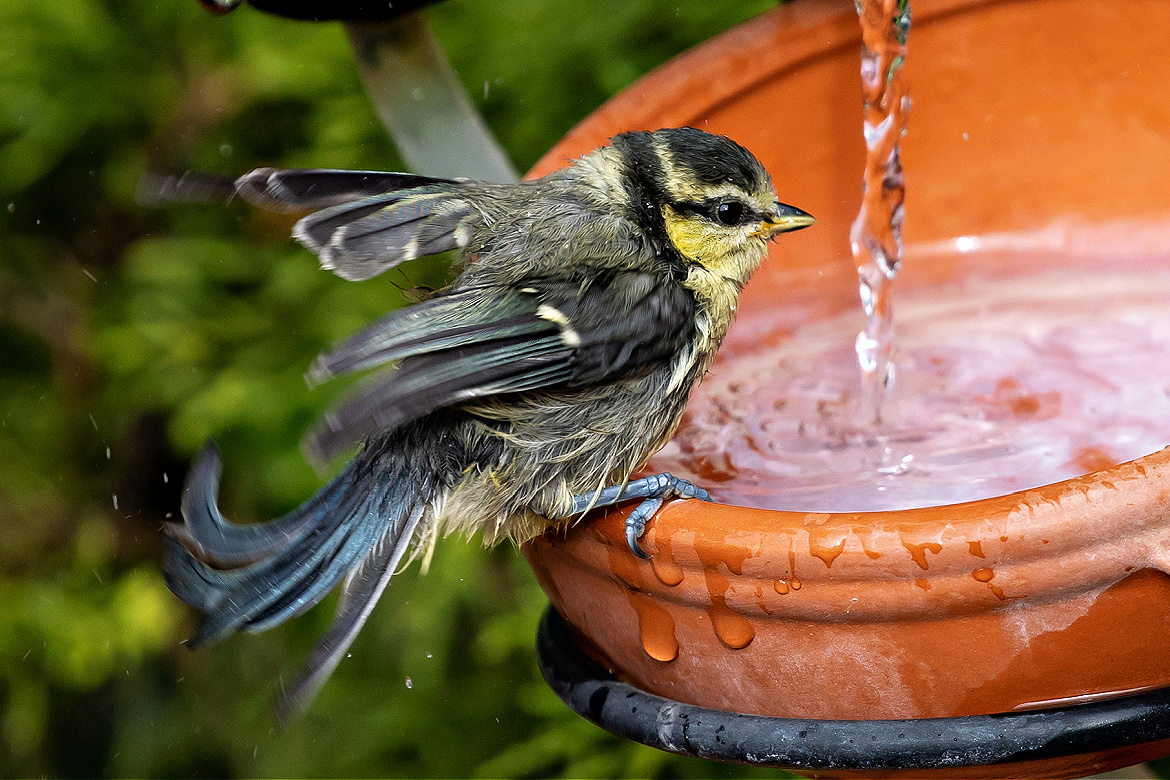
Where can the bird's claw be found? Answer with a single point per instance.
(662, 486)
(653, 489)
(633, 532)
(636, 524)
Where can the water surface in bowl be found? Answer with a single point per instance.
(1002, 384)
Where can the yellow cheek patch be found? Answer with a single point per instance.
(689, 235)
(702, 243)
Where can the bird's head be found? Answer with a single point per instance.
(710, 197)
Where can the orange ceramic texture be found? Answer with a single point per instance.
(1042, 126)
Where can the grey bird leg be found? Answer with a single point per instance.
(654, 489)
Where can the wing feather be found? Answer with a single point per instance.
(568, 332)
(433, 381)
(363, 222)
(318, 188)
(279, 190)
(443, 322)
(362, 239)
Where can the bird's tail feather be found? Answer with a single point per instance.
(252, 577)
(363, 587)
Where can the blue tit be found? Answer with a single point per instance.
(587, 306)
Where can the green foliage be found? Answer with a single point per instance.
(128, 337)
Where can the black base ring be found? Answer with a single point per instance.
(793, 743)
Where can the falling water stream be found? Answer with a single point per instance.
(876, 235)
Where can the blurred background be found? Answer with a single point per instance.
(129, 336)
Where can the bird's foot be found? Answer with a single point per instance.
(656, 489)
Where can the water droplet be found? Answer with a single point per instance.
(657, 630)
(967, 243)
(866, 293)
(984, 574)
(899, 468)
(976, 549)
(826, 552)
(918, 552)
(409, 683)
(670, 573)
(873, 555)
(866, 349)
(734, 630)
(654, 623)
(793, 582)
(665, 568)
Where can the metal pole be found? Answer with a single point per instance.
(419, 99)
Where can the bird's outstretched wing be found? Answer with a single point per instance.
(297, 189)
(273, 189)
(368, 221)
(546, 333)
(360, 240)
(364, 222)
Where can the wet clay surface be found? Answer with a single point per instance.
(961, 612)
(1043, 596)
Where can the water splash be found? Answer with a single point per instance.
(876, 234)
(1005, 384)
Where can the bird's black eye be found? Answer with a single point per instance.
(729, 213)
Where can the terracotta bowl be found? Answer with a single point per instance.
(1043, 120)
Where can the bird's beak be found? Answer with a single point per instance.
(785, 219)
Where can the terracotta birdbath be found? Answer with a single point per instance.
(1041, 128)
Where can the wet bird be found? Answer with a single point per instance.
(587, 306)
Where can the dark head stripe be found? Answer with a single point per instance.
(642, 177)
(715, 159)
